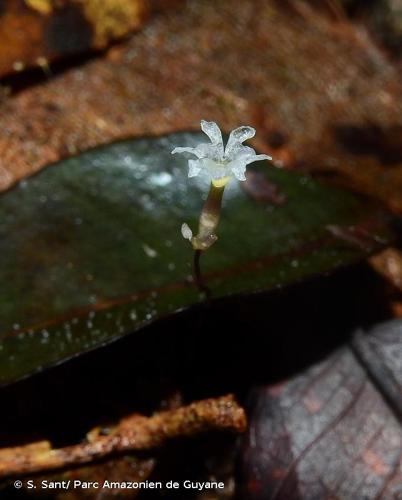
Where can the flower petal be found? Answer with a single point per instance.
(239, 164)
(254, 157)
(215, 136)
(248, 158)
(193, 151)
(194, 167)
(242, 151)
(236, 138)
(238, 168)
(200, 151)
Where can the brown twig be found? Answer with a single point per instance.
(133, 433)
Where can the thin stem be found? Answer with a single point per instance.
(208, 224)
(209, 219)
(198, 280)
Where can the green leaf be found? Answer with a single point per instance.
(91, 247)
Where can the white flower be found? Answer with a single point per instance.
(220, 162)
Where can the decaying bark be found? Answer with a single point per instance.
(38, 32)
(132, 433)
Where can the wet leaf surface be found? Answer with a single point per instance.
(333, 431)
(91, 247)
